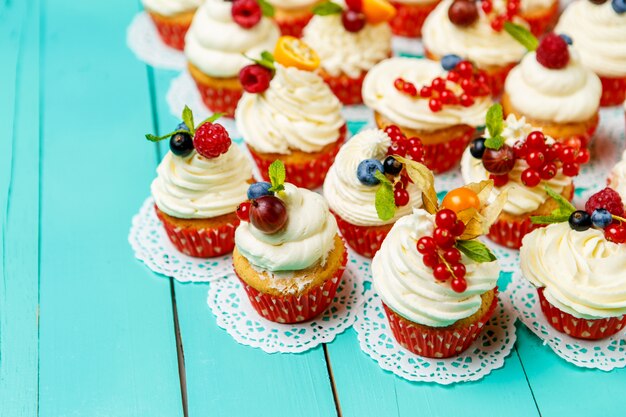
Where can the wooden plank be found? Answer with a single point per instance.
(19, 208)
(225, 378)
(107, 342)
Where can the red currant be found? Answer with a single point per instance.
(439, 84)
(535, 159)
(353, 21)
(443, 238)
(465, 68)
(243, 211)
(536, 140)
(416, 152)
(441, 272)
(445, 218)
(499, 180)
(426, 92)
(530, 177)
(583, 156)
(401, 197)
(397, 148)
(554, 152)
(466, 100)
(426, 245)
(458, 285)
(452, 255)
(574, 142)
(520, 150)
(458, 270)
(571, 169)
(393, 130)
(548, 171)
(458, 229)
(435, 105)
(448, 97)
(453, 76)
(431, 260)
(568, 155)
(409, 88)
(498, 23)
(615, 233)
(487, 6)
(399, 84)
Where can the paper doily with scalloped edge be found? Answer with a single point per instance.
(143, 39)
(233, 312)
(151, 245)
(486, 354)
(605, 354)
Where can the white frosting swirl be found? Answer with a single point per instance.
(352, 200)
(297, 112)
(343, 52)
(380, 94)
(216, 44)
(570, 94)
(521, 199)
(305, 240)
(583, 273)
(617, 178)
(477, 42)
(408, 287)
(599, 34)
(171, 7)
(194, 187)
(533, 5)
(292, 4)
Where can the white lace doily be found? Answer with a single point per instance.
(143, 39)
(234, 313)
(487, 353)
(605, 354)
(151, 245)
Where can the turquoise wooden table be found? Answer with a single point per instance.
(87, 330)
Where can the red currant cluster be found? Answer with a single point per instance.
(497, 19)
(473, 83)
(411, 148)
(439, 252)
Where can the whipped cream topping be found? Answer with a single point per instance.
(583, 273)
(380, 94)
(171, 7)
(527, 6)
(195, 187)
(297, 112)
(521, 199)
(305, 240)
(478, 43)
(408, 287)
(216, 44)
(343, 52)
(617, 177)
(352, 200)
(292, 4)
(598, 33)
(569, 94)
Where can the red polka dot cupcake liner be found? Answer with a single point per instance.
(219, 99)
(613, 91)
(541, 23)
(171, 33)
(431, 342)
(410, 18)
(442, 157)
(293, 26)
(510, 233)
(347, 90)
(296, 309)
(307, 174)
(201, 243)
(364, 240)
(587, 329)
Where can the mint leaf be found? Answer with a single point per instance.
(559, 215)
(267, 9)
(495, 126)
(522, 35)
(564, 204)
(554, 218)
(381, 177)
(267, 56)
(475, 250)
(211, 119)
(385, 203)
(494, 142)
(188, 119)
(277, 175)
(327, 8)
(266, 60)
(154, 138)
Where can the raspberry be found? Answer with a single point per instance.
(246, 13)
(255, 78)
(211, 140)
(552, 52)
(607, 199)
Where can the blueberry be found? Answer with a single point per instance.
(580, 220)
(259, 189)
(477, 148)
(366, 170)
(392, 166)
(182, 126)
(568, 39)
(601, 218)
(181, 144)
(619, 6)
(449, 62)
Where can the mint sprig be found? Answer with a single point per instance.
(384, 202)
(559, 215)
(495, 126)
(277, 176)
(267, 9)
(327, 8)
(475, 250)
(522, 35)
(187, 117)
(265, 60)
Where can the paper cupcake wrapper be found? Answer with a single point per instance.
(511, 233)
(541, 23)
(201, 243)
(218, 99)
(587, 329)
(410, 18)
(172, 34)
(364, 240)
(347, 90)
(293, 26)
(442, 157)
(613, 91)
(431, 342)
(296, 309)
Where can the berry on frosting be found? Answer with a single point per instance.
(211, 140)
(463, 13)
(460, 199)
(568, 39)
(601, 218)
(352, 20)
(392, 166)
(246, 13)
(181, 144)
(499, 161)
(449, 62)
(366, 171)
(358, 12)
(553, 52)
(607, 199)
(615, 233)
(598, 2)
(619, 6)
(259, 189)
(268, 214)
(580, 220)
(255, 78)
(243, 211)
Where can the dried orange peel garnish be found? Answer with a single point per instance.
(292, 52)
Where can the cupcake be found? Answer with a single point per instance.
(289, 113)
(410, 16)
(578, 264)
(222, 34)
(172, 19)
(442, 108)
(288, 254)
(199, 184)
(437, 282)
(349, 43)
(463, 28)
(521, 161)
(598, 30)
(554, 91)
(292, 15)
(356, 195)
(541, 15)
